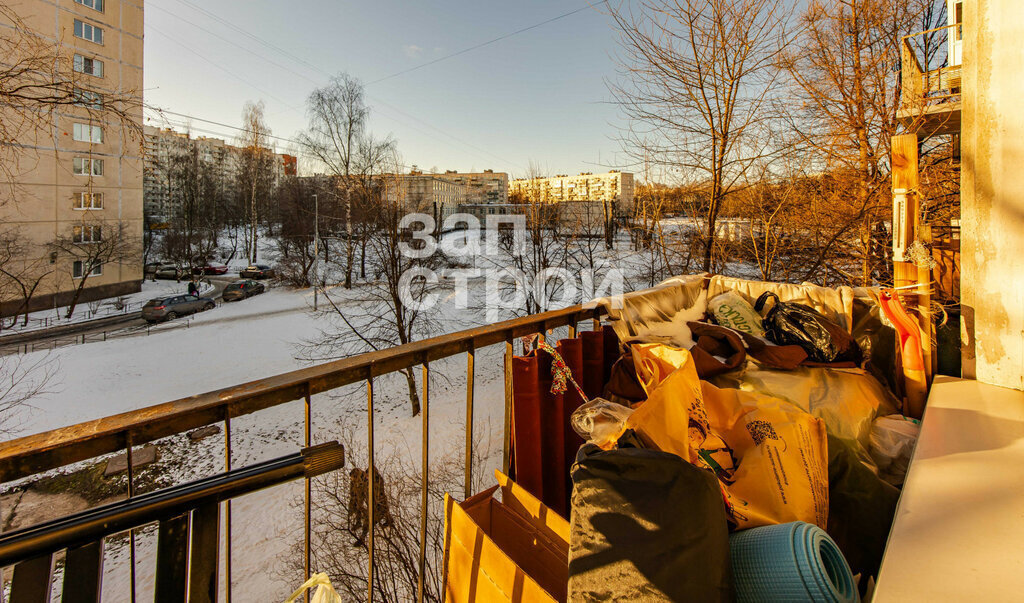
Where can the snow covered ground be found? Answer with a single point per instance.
(257, 338)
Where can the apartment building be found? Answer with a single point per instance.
(487, 186)
(79, 178)
(613, 187)
(163, 145)
(428, 193)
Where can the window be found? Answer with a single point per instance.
(87, 133)
(83, 166)
(88, 66)
(93, 4)
(89, 201)
(88, 32)
(88, 98)
(79, 268)
(87, 234)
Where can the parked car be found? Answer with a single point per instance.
(210, 268)
(243, 289)
(173, 306)
(169, 271)
(257, 271)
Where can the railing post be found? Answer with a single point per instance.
(307, 507)
(227, 510)
(469, 421)
(507, 444)
(425, 449)
(369, 484)
(131, 493)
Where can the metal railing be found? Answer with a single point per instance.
(30, 455)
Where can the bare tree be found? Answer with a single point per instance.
(844, 69)
(255, 171)
(90, 246)
(21, 380)
(21, 272)
(389, 312)
(337, 130)
(696, 84)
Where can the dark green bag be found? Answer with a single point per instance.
(646, 526)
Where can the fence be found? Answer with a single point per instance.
(31, 455)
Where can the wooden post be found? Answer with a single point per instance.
(905, 226)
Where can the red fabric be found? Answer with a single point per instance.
(544, 442)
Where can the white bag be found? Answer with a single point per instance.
(325, 593)
(892, 442)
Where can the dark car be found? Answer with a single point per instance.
(210, 268)
(257, 271)
(169, 271)
(173, 306)
(242, 289)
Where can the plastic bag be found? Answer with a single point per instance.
(600, 422)
(892, 443)
(770, 457)
(325, 593)
(787, 323)
(732, 311)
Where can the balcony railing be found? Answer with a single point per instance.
(32, 555)
(930, 80)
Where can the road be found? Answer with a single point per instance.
(129, 323)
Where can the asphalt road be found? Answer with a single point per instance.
(129, 322)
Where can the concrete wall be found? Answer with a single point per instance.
(992, 203)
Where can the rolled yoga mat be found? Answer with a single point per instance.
(789, 562)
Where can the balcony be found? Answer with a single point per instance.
(930, 99)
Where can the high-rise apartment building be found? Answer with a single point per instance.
(613, 187)
(164, 145)
(78, 179)
(427, 193)
(487, 186)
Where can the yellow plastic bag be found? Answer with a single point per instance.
(770, 457)
(516, 550)
(325, 593)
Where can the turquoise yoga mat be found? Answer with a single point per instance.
(789, 562)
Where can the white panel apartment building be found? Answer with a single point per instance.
(614, 187)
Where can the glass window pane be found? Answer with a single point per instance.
(97, 35)
(78, 28)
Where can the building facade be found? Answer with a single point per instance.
(80, 178)
(613, 187)
(165, 144)
(487, 186)
(427, 193)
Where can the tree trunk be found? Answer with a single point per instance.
(414, 397)
(349, 250)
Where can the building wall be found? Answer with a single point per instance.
(487, 186)
(992, 193)
(614, 187)
(39, 203)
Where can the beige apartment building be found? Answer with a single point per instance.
(428, 194)
(81, 178)
(612, 187)
(487, 186)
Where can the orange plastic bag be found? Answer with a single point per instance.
(770, 457)
(513, 550)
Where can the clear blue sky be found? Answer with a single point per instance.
(538, 95)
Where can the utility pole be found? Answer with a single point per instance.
(316, 250)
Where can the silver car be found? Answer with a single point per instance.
(173, 306)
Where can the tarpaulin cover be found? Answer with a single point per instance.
(646, 526)
(789, 562)
(544, 442)
(769, 455)
(513, 550)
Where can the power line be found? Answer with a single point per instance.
(480, 45)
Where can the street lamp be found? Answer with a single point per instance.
(316, 250)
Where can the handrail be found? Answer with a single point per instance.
(32, 454)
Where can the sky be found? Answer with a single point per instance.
(536, 96)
